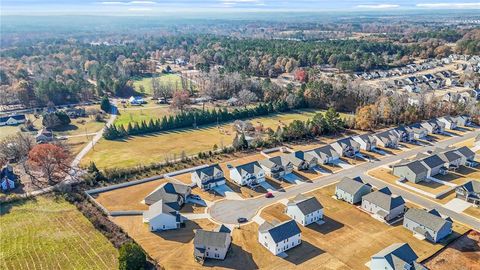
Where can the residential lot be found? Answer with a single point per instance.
(172, 79)
(49, 233)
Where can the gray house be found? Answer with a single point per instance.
(325, 154)
(208, 177)
(451, 157)
(302, 160)
(434, 164)
(382, 205)
(172, 194)
(450, 122)
(468, 156)
(396, 257)
(419, 132)
(346, 147)
(406, 133)
(352, 190)
(387, 139)
(413, 171)
(428, 224)
(211, 244)
(276, 167)
(433, 126)
(469, 192)
(367, 141)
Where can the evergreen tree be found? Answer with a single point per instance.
(131, 257)
(105, 105)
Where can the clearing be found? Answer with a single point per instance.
(172, 79)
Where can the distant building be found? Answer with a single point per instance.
(12, 120)
(44, 136)
(305, 210)
(7, 178)
(279, 237)
(136, 100)
(325, 154)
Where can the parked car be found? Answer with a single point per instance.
(242, 220)
(195, 197)
(269, 195)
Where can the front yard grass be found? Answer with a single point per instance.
(49, 233)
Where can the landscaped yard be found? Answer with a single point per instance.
(154, 148)
(172, 79)
(49, 233)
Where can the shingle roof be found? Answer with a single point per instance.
(384, 199)
(168, 192)
(449, 156)
(349, 185)
(368, 138)
(397, 255)
(324, 152)
(415, 166)
(281, 161)
(209, 171)
(306, 205)
(159, 208)
(250, 168)
(210, 239)
(433, 161)
(281, 231)
(16, 117)
(472, 186)
(297, 157)
(466, 152)
(428, 219)
(347, 142)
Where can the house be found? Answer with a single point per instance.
(398, 256)
(469, 192)
(406, 134)
(462, 120)
(276, 167)
(346, 147)
(413, 171)
(302, 160)
(7, 178)
(429, 224)
(450, 122)
(162, 216)
(305, 210)
(12, 120)
(211, 244)
(382, 205)
(432, 127)
(433, 163)
(44, 136)
(451, 158)
(136, 100)
(170, 193)
(419, 132)
(468, 156)
(352, 190)
(279, 237)
(250, 174)
(208, 177)
(387, 139)
(325, 154)
(367, 142)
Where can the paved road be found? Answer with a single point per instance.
(227, 211)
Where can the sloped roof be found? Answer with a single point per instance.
(159, 208)
(210, 239)
(368, 138)
(347, 142)
(351, 186)
(16, 117)
(209, 171)
(431, 220)
(324, 152)
(466, 152)
(415, 166)
(472, 186)
(168, 192)
(281, 161)
(398, 255)
(433, 161)
(250, 168)
(449, 156)
(384, 199)
(306, 205)
(281, 231)
(299, 156)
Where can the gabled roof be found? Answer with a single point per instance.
(211, 239)
(297, 157)
(16, 117)
(466, 152)
(168, 193)
(280, 231)
(398, 255)
(306, 205)
(209, 171)
(347, 142)
(324, 152)
(415, 166)
(351, 186)
(449, 156)
(387, 136)
(433, 161)
(281, 161)
(472, 186)
(159, 208)
(223, 228)
(383, 198)
(428, 219)
(249, 168)
(368, 138)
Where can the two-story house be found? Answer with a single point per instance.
(249, 174)
(305, 210)
(279, 237)
(208, 177)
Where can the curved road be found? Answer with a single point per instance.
(228, 211)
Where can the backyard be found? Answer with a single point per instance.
(49, 233)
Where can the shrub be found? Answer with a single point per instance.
(131, 257)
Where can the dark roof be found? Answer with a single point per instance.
(384, 199)
(158, 208)
(251, 168)
(7, 172)
(433, 161)
(429, 219)
(223, 228)
(209, 171)
(350, 185)
(306, 205)
(324, 152)
(397, 255)
(466, 152)
(16, 117)
(472, 186)
(449, 156)
(347, 142)
(168, 192)
(281, 231)
(210, 239)
(415, 166)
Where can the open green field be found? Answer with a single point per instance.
(153, 148)
(167, 78)
(49, 233)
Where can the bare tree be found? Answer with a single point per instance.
(245, 97)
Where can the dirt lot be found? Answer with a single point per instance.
(473, 211)
(344, 224)
(462, 254)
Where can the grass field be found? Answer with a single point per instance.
(153, 148)
(357, 233)
(49, 233)
(172, 79)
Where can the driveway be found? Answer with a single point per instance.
(293, 179)
(227, 192)
(457, 205)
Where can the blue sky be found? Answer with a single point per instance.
(117, 7)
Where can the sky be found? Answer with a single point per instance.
(152, 7)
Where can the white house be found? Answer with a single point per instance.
(136, 100)
(382, 205)
(276, 167)
(396, 257)
(250, 174)
(462, 120)
(450, 122)
(12, 120)
(305, 210)
(367, 142)
(208, 177)
(161, 216)
(211, 244)
(279, 237)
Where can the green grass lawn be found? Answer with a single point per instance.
(152, 148)
(147, 82)
(50, 233)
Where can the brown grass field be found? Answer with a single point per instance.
(345, 224)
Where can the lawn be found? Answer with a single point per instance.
(49, 233)
(172, 79)
(357, 233)
(152, 148)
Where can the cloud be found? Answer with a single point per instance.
(139, 9)
(129, 3)
(112, 3)
(379, 6)
(449, 5)
(142, 2)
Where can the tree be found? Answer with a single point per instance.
(180, 100)
(56, 119)
(366, 117)
(131, 257)
(105, 105)
(50, 159)
(246, 97)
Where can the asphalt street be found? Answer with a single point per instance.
(228, 211)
